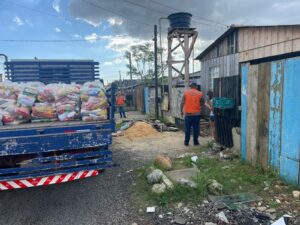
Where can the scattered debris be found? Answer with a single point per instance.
(261, 208)
(179, 220)
(163, 127)
(163, 161)
(126, 126)
(167, 182)
(228, 154)
(271, 210)
(159, 188)
(221, 216)
(214, 187)
(216, 147)
(210, 223)
(206, 214)
(188, 183)
(194, 158)
(184, 176)
(155, 176)
(150, 209)
(186, 155)
(296, 194)
(117, 134)
(236, 201)
(282, 221)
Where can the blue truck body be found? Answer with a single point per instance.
(39, 150)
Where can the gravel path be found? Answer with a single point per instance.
(104, 199)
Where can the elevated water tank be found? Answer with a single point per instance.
(180, 20)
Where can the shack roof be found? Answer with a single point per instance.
(230, 30)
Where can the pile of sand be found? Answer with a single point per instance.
(140, 129)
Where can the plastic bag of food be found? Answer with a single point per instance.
(94, 115)
(67, 112)
(46, 93)
(9, 90)
(28, 95)
(44, 111)
(15, 115)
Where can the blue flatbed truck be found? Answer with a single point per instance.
(37, 154)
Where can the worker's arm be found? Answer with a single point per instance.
(181, 106)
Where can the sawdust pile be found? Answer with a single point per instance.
(140, 129)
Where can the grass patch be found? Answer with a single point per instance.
(119, 125)
(235, 176)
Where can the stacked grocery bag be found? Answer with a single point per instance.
(67, 102)
(37, 102)
(44, 107)
(93, 101)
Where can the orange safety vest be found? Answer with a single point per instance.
(120, 100)
(192, 99)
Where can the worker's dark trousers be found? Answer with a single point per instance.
(189, 122)
(122, 111)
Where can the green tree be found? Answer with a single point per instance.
(142, 57)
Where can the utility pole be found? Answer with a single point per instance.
(155, 73)
(120, 80)
(130, 71)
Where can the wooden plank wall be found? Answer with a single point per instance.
(260, 42)
(252, 115)
(263, 105)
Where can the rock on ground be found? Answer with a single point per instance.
(214, 187)
(159, 188)
(163, 161)
(296, 194)
(155, 176)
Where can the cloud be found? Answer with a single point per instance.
(91, 22)
(56, 6)
(92, 38)
(115, 21)
(77, 36)
(17, 20)
(56, 29)
(114, 62)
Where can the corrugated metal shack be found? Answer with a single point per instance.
(270, 68)
(47, 71)
(269, 65)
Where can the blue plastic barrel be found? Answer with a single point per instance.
(180, 20)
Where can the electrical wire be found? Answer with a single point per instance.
(118, 14)
(198, 17)
(43, 12)
(159, 11)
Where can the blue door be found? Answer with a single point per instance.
(290, 135)
(146, 100)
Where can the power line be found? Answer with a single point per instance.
(42, 12)
(118, 14)
(201, 18)
(159, 11)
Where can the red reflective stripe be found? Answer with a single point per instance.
(73, 176)
(18, 182)
(7, 185)
(84, 174)
(61, 178)
(49, 180)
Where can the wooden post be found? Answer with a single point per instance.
(186, 61)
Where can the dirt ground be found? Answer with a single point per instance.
(170, 143)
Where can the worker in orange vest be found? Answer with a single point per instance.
(191, 108)
(120, 101)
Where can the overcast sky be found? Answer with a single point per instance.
(104, 29)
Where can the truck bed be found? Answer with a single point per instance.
(41, 125)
